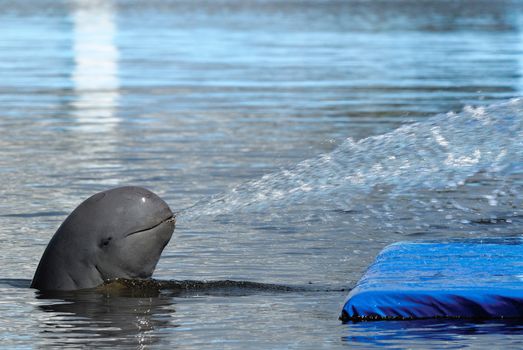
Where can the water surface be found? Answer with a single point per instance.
(302, 136)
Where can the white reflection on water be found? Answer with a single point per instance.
(519, 50)
(95, 74)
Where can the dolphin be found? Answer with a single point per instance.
(118, 233)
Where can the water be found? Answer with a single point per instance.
(453, 146)
(296, 138)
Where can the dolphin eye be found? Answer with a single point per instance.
(105, 242)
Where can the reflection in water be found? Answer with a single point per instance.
(135, 313)
(89, 318)
(95, 74)
(519, 49)
(399, 333)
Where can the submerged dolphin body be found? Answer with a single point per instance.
(119, 233)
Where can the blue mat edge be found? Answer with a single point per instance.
(484, 303)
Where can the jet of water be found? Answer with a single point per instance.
(439, 153)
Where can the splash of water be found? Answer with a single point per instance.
(439, 153)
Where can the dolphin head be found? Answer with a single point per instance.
(119, 233)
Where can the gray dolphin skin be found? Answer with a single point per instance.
(119, 233)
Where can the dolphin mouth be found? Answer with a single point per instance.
(169, 220)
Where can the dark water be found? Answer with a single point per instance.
(296, 138)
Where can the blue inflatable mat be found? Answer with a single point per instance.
(460, 279)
